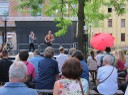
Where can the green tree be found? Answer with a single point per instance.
(86, 11)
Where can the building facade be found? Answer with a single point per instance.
(7, 8)
(116, 26)
(23, 19)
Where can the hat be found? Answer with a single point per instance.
(61, 48)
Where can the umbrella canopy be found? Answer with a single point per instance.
(100, 41)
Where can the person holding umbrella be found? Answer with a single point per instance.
(108, 52)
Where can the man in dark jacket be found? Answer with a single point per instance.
(5, 63)
(48, 70)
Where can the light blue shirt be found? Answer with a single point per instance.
(17, 88)
(35, 61)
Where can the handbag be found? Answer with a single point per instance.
(81, 87)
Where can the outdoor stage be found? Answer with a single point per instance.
(40, 29)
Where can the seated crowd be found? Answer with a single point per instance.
(68, 73)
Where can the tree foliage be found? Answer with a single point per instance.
(58, 8)
(88, 11)
(94, 13)
(119, 6)
(33, 5)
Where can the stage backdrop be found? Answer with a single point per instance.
(40, 29)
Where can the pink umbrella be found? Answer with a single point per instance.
(100, 41)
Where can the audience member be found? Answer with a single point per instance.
(66, 51)
(48, 70)
(79, 55)
(71, 84)
(61, 58)
(31, 54)
(17, 58)
(107, 77)
(91, 61)
(98, 57)
(108, 52)
(116, 54)
(15, 86)
(23, 55)
(122, 70)
(35, 61)
(71, 50)
(5, 63)
(121, 60)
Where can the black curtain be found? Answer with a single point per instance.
(40, 29)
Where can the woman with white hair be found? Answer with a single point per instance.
(107, 77)
(15, 86)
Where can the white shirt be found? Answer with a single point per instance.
(98, 59)
(61, 58)
(110, 85)
(92, 64)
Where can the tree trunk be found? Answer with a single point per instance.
(81, 23)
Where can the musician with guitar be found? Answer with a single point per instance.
(31, 41)
(49, 38)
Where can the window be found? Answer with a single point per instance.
(4, 7)
(122, 37)
(109, 10)
(122, 22)
(109, 22)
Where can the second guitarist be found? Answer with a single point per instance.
(49, 38)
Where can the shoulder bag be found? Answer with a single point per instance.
(81, 87)
(107, 77)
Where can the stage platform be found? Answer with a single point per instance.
(41, 47)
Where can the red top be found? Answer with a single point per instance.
(120, 64)
(31, 69)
